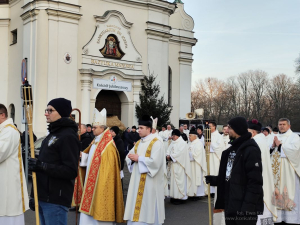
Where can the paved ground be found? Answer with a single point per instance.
(190, 213)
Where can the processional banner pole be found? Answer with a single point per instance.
(28, 105)
(207, 133)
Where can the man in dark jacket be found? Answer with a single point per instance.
(240, 180)
(182, 134)
(133, 138)
(57, 164)
(125, 138)
(89, 130)
(119, 144)
(85, 137)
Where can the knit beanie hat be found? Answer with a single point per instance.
(254, 125)
(176, 132)
(239, 125)
(62, 106)
(115, 129)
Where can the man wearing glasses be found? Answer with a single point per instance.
(56, 166)
(13, 189)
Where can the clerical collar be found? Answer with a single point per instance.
(145, 138)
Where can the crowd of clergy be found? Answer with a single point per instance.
(167, 164)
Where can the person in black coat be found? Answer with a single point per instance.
(240, 182)
(125, 138)
(119, 144)
(133, 138)
(85, 137)
(57, 164)
(23, 139)
(182, 134)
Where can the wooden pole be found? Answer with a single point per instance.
(207, 132)
(28, 105)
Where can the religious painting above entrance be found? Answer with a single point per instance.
(112, 48)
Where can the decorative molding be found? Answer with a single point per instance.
(65, 14)
(160, 5)
(110, 72)
(48, 1)
(158, 33)
(114, 13)
(185, 60)
(30, 14)
(4, 22)
(183, 40)
(13, 2)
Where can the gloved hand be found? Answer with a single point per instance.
(208, 179)
(35, 164)
(31, 204)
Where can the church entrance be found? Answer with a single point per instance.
(109, 100)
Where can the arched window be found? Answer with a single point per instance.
(170, 87)
(12, 111)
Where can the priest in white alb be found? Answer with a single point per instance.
(180, 169)
(198, 166)
(217, 146)
(146, 162)
(99, 182)
(13, 190)
(225, 136)
(269, 215)
(286, 170)
(167, 137)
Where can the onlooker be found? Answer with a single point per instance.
(200, 134)
(23, 139)
(125, 138)
(85, 138)
(133, 138)
(57, 164)
(182, 134)
(89, 130)
(239, 181)
(120, 146)
(186, 130)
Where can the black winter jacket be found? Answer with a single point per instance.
(120, 146)
(60, 151)
(85, 139)
(245, 195)
(133, 137)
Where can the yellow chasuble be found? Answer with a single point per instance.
(101, 195)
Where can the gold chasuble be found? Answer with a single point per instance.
(101, 195)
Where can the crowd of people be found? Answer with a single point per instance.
(253, 170)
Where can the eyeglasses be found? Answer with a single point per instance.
(49, 111)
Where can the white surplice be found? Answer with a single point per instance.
(87, 219)
(226, 141)
(216, 148)
(13, 196)
(286, 171)
(198, 168)
(270, 210)
(167, 141)
(180, 168)
(152, 209)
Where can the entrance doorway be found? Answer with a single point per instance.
(110, 101)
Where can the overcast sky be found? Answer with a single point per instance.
(235, 36)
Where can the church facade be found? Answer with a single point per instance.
(95, 53)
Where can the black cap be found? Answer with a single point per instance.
(89, 125)
(176, 132)
(146, 121)
(115, 129)
(266, 129)
(239, 125)
(200, 127)
(133, 127)
(193, 131)
(62, 106)
(275, 129)
(254, 125)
